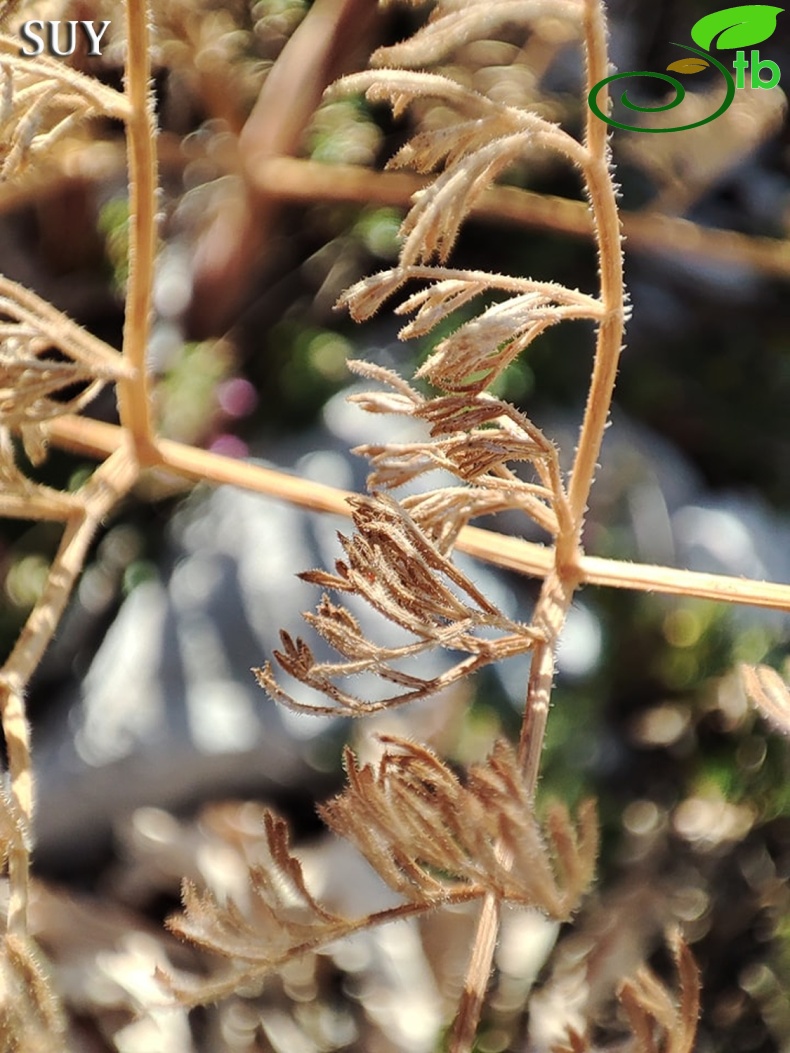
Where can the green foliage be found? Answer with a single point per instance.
(308, 364)
(113, 223)
(186, 393)
(343, 132)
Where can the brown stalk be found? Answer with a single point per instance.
(560, 583)
(233, 249)
(84, 511)
(303, 181)
(603, 203)
(98, 496)
(96, 439)
(133, 395)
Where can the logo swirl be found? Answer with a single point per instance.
(680, 94)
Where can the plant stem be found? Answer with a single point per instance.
(303, 181)
(94, 438)
(470, 1006)
(98, 496)
(603, 202)
(560, 583)
(133, 401)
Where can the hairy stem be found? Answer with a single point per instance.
(603, 202)
(96, 439)
(98, 496)
(467, 1017)
(558, 588)
(304, 181)
(133, 398)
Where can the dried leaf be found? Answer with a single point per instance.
(402, 87)
(427, 150)
(43, 100)
(662, 1023)
(450, 289)
(476, 438)
(401, 573)
(281, 921)
(429, 836)
(766, 690)
(32, 334)
(432, 225)
(477, 353)
(450, 28)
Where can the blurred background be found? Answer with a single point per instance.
(145, 713)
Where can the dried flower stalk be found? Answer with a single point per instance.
(652, 1011)
(661, 1021)
(432, 839)
(42, 353)
(398, 559)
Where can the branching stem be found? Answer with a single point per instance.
(560, 583)
(97, 498)
(96, 439)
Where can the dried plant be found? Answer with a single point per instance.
(660, 1022)
(769, 693)
(432, 840)
(412, 819)
(43, 100)
(436, 839)
(31, 1016)
(31, 332)
(648, 1005)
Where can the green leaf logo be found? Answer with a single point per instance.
(736, 27)
(688, 65)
